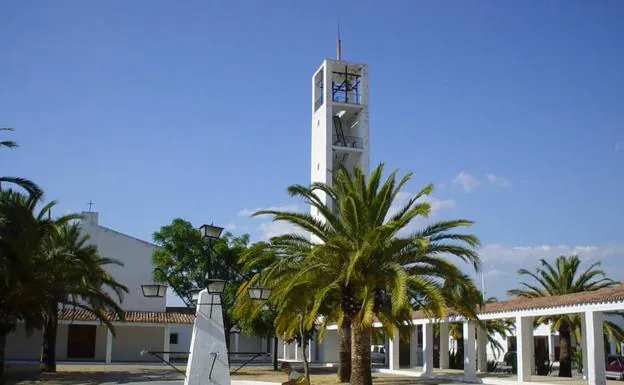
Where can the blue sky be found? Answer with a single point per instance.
(201, 110)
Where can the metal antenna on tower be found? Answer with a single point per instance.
(483, 284)
(338, 43)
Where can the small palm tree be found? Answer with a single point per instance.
(464, 297)
(360, 262)
(564, 277)
(22, 233)
(26, 184)
(76, 276)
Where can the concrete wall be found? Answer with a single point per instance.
(21, 346)
(100, 342)
(136, 256)
(184, 338)
(328, 350)
(61, 342)
(130, 341)
(251, 344)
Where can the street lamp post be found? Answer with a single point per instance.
(211, 282)
(156, 290)
(208, 339)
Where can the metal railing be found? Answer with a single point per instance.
(160, 355)
(348, 97)
(349, 142)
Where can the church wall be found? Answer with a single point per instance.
(61, 342)
(136, 256)
(100, 342)
(23, 347)
(184, 338)
(130, 341)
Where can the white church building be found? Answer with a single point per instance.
(147, 322)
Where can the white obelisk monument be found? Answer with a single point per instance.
(208, 360)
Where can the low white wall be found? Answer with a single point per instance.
(23, 347)
(328, 350)
(130, 341)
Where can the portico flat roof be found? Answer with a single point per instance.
(606, 299)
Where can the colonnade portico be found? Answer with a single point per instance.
(590, 306)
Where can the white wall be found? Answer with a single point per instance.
(185, 333)
(249, 344)
(130, 341)
(22, 346)
(328, 350)
(136, 256)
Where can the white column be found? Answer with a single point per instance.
(284, 345)
(393, 351)
(296, 350)
(310, 342)
(583, 343)
(166, 346)
(109, 346)
(469, 351)
(595, 356)
(444, 345)
(481, 350)
(236, 342)
(414, 346)
(524, 337)
(427, 348)
(551, 347)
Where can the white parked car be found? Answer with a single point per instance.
(378, 354)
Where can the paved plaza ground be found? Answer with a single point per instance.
(102, 374)
(95, 374)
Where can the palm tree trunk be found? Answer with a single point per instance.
(275, 347)
(304, 351)
(565, 358)
(361, 356)
(48, 353)
(459, 356)
(2, 350)
(344, 364)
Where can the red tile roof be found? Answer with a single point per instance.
(166, 317)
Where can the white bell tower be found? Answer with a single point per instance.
(339, 118)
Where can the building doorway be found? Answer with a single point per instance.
(81, 341)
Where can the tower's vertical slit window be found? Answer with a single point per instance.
(318, 89)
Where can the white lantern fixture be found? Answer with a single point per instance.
(259, 292)
(210, 231)
(215, 285)
(154, 290)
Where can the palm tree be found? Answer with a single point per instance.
(22, 233)
(564, 277)
(76, 277)
(26, 184)
(362, 263)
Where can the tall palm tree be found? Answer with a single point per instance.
(359, 260)
(26, 184)
(22, 233)
(564, 277)
(76, 277)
